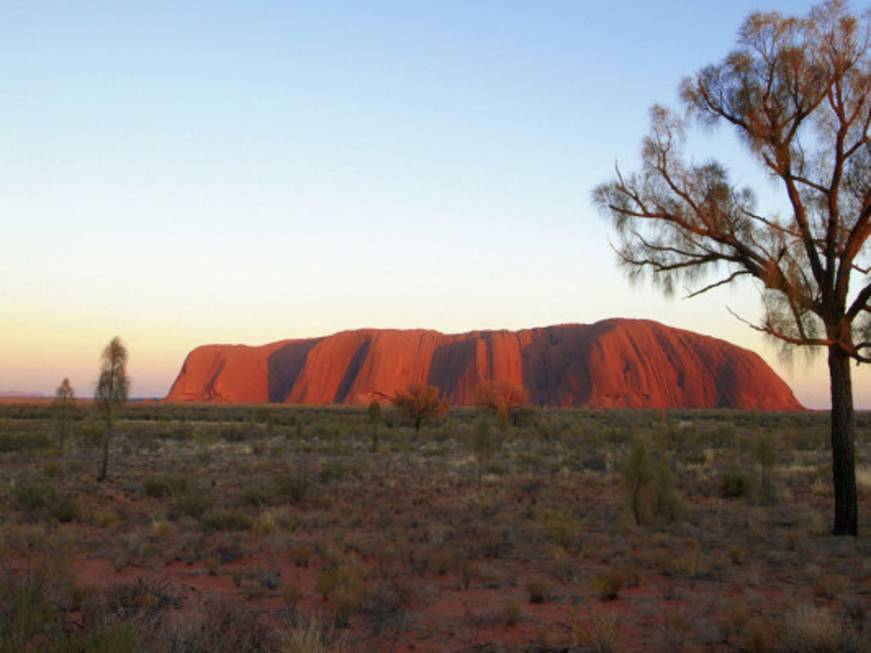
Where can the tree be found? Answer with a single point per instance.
(64, 404)
(375, 417)
(638, 479)
(764, 451)
(420, 402)
(111, 392)
(798, 93)
(485, 444)
(501, 398)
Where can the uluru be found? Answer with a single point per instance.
(614, 363)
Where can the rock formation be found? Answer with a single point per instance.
(617, 363)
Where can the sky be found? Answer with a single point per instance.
(185, 173)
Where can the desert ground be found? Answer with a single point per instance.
(279, 528)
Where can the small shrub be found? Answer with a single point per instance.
(193, 502)
(733, 622)
(31, 497)
(564, 528)
(666, 500)
(536, 589)
(609, 584)
(257, 495)
(637, 479)
(300, 555)
(485, 443)
(312, 637)
(737, 555)
(816, 630)
(160, 529)
(511, 613)
(735, 484)
(292, 593)
(764, 453)
(113, 638)
(598, 635)
(265, 523)
(760, 637)
(827, 586)
(64, 508)
(24, 442)
(292, 488)
(105, 518)
(227, 519)
(165, 485)
(342, 585)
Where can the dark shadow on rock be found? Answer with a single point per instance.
(450, 363)
(352, 371)
(285, 365)
(556, 363)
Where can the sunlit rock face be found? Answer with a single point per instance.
(615, 363)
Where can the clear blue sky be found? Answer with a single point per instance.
(182, 173)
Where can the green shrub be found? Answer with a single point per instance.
(312, 637)
(64, 508)
(565, 529)
(637, 480)
(165, 485)
(536, 589)
(609, 584)
(115, 638)
(764, 452)
(31, 497)
(485, 443)
(734, 484)
(599, 635)
(192, 503)
(257, 495)
(235, 433)
(667, 504)
(24, 442)
(292, 488)
(342, 585)
(227, 519)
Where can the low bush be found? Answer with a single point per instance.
(312, 637)
(257, 495)
(24, 442)
(32, 497)
(64, 508)
(341, 584)
(536, 589)
(292, 488)
(609, 584)
(735, 484)
(599, 635)
(193, 503)
(165, 485)
(227, 519)
(638, 479)
(565, 529)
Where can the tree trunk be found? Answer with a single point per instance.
(843, 448)
(104, 467)
(63, 427)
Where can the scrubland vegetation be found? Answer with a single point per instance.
(297, 529)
